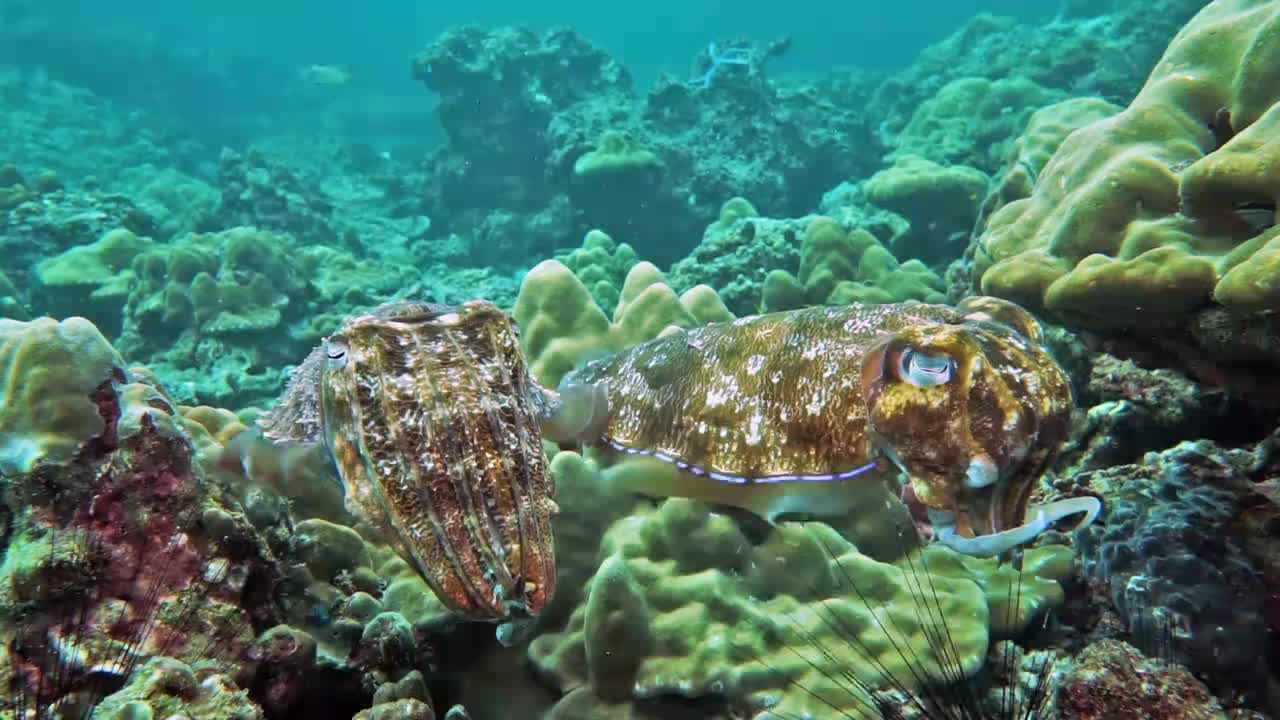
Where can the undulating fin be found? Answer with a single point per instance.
(296, 416)
(647, 475)
(289, 470)
(576, 412)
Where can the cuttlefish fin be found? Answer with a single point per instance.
(289, 470)
(575, 412)
(647, 475)
(1042, 517)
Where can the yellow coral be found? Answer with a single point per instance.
(838, 267)
(1254, 285)
(562, 327)
(1133, 222)
(684, 603)
(49, 371)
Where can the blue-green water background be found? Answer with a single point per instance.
(201, 61)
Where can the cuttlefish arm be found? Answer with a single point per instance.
(1044, 516)
(575, 412)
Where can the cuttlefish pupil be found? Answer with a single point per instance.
(924, 370)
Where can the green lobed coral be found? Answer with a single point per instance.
(49, 372)
(838, 267)
(1136, 222)
(970, 120)
(702, 610)
(601, 264)
(561, 326)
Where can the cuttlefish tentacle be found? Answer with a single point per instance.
(1044, 517)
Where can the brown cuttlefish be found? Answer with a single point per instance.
(778, 413)
(434, 427)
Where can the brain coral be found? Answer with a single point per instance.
(1144, 218)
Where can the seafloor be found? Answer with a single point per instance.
(1116, 172)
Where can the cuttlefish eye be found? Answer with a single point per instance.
(925, 370)
(335, 351)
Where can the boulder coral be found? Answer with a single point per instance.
(838, 267)
(1045, 130)
(940, 202)
(685, 604)
(561, 326)
(1146, 218)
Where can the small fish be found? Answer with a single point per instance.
(325, 75)
(430, 417)
(1258, 216)
(779, 413)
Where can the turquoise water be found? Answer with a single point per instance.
(639, 361)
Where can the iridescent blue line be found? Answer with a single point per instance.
(738, 479)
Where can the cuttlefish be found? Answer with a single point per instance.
(434, 427)
(778, 413)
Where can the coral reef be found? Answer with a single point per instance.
(259, 192)
(1112, 680)
(1095, 53)
(40, 218)
(536, 118)
(111, 550)
(179, 202)
(500, 90)
(161, 560)
(55, 125)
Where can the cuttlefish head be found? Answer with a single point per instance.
(972, 412)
